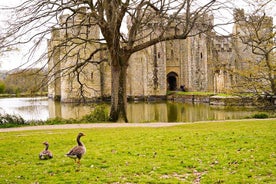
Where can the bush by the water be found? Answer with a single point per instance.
(58, 121)
(99, 114)
(11, 120)
(260, 116)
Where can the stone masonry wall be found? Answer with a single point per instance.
(193, 61)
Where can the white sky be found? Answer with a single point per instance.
(15, 59)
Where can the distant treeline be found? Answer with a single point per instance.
(28, 81)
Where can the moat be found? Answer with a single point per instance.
(40, 108)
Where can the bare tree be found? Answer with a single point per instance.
(255, 48)
(149, 22)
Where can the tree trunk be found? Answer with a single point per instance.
(271, 73)
(118, 90)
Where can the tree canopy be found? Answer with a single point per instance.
(257, 40)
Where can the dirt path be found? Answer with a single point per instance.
(114, 125)
(93, 125)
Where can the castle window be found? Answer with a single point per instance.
(226, 46)
(158, 55)
(92, 75)
(201, 55)
(172, 53)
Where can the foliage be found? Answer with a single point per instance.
(229, 152)
(2, 87)
(25, 81)
(99, 114)
(58, 121)
(7, 120)
(260, 116)
(257, 56)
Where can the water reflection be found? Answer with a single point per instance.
(181, 112)
(27, 108)
(42, 109)
(68, 110)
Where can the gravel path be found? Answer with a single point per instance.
(93, 125)
(114, 125)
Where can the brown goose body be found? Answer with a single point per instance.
(78, 151)
(45, 154)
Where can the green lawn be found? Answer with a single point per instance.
(218, 152)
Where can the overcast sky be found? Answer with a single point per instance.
(15, 59)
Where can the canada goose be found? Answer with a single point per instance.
(45, 154)
(78, 151)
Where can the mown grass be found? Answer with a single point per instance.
(190, 93)
(218, 152)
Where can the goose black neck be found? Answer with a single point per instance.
(46, 147)
(79, 142)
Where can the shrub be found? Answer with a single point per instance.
(56, 121)
(99, 114)
(260, 116)
(7, 120)
(2, 87)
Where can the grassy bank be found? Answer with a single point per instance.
(219, 152)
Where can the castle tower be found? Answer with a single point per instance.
(223, 63)
(54, 90)
(75, 80)
(252, 40)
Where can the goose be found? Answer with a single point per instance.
(78, 151)
(45, 154)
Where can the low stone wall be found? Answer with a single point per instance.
(232, 101)
(214, 100)
(189, 98)
(146, 98)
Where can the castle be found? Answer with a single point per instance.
(198, 63)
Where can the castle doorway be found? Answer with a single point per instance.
(172, 81)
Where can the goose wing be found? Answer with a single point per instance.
(77, 151)
(45, 155)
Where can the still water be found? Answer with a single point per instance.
(40, 108)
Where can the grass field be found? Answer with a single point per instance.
(218, 152)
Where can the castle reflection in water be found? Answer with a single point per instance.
(41, 108)
(154, 112)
